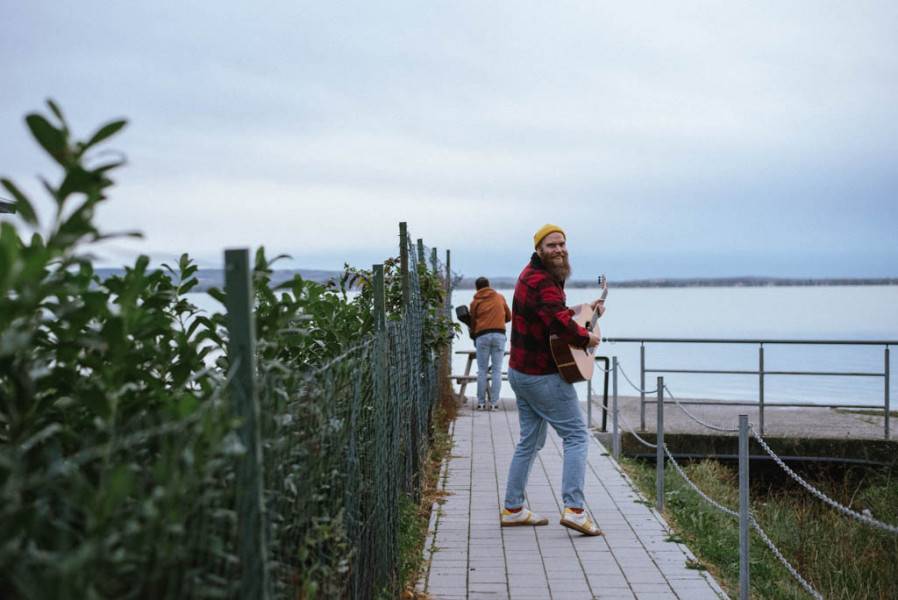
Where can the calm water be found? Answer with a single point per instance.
(850, 313)
(862, 313)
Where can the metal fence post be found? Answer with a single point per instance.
(403, 262)
(449, 355)
(380, 311)
(887, 399)
(449, 275)
(659, 451)
(415, 408)
(449, 293)
(615, 435)
(743, 508)
(761, 388)
(245, 404)
(641, 386)
(606, 371)
(589, 402)
(384, 451)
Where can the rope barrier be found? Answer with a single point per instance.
(633, 385)
(779, 555)
(704, 496)
(868, 520)
(627, 426)
(755, 525)
(698, 420)
(753, 522)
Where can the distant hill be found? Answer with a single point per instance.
(215, 278)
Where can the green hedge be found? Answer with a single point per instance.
(117, 443)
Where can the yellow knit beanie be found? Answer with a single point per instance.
(544, 231)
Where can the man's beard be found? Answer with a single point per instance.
(559, 269)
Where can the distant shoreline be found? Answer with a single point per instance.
(508, 282)
(215, 278)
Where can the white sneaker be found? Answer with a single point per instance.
(521, 517)
(579, 522)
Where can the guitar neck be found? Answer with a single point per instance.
(595, 316)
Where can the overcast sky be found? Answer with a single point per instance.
(669, 139)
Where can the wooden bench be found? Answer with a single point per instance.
(466, 378)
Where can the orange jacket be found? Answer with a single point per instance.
(489, 312)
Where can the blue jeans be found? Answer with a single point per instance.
(490, 348)
(548, 399)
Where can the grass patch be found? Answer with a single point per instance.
(842, 558)
(414, 518)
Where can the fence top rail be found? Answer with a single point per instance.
(641, 340)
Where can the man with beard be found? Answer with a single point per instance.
(539, 310)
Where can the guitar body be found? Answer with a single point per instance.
(575, 364)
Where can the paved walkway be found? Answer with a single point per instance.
(471, 557)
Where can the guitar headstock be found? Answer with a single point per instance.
(603, 284)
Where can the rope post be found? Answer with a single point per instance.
(743, 508)
(887, 399)
(245, 404)
(659, 451)
(605, 392)
(589, 402)
(403, 262)
(761, 388)
(641, 386)
(615, 435)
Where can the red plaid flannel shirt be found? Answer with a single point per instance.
(539, 310)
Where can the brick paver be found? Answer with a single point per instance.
(471, 557)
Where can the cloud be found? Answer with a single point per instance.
(694, 129)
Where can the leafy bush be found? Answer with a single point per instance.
(117, 444)
(110, 427)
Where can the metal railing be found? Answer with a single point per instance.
(747, 519)
(761, 372)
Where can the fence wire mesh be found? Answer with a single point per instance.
(343, 446)
(343, 449)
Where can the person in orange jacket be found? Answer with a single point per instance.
(489, 314)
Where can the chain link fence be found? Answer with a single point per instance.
(166, 511)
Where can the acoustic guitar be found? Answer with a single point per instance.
(576, 364)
